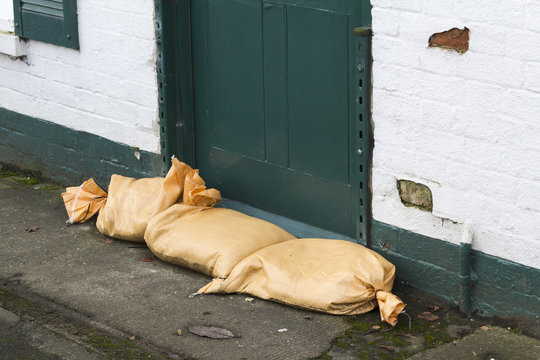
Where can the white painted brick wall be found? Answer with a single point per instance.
(107, 88)
(6, 16)
(467, 126)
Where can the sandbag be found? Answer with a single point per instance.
(84, 201)
(209, 240)
(331, 276)
(196, 193)
(133, 202)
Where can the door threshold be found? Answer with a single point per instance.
(296, 228)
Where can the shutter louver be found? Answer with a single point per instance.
(48, 7)
(52, 21)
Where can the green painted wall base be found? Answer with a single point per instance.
(68, 156)
(497, 286)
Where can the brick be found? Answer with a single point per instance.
(395, 51)
(415, 194)
(438, 61)
(481, 96)
(438, 143)
(524, 164)
(400, 165)
(389, 209)
(528, 196)
(477, 124)
(435, 87)
(439, 8)
(447, 199)
(515, 248)
(532, 15)
(493, 69)
(390, 104)
(508, 12)
(455, 39)
(483, 155)
(114, 21)
(523, 45)
(488, 39)
(419, 27)
(385, 21)
(142, 7)
(420, 84)
(533, 76)
(431, 167)
(412, 5)
(517, 136)
(384, 76)
(405, 164)
(439, 115)
(522, 105)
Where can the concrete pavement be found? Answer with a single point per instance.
(113, 305)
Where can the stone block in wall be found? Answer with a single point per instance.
(415, 195)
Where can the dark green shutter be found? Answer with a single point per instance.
(51, 21)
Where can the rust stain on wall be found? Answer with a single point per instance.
(457, 39)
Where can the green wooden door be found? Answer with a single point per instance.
(276, 105)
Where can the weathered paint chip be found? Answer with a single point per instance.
(456, 39)
(415, 195)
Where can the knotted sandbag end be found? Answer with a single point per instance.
(84, 201)
(214, 286)
(196, 193)
(390, 306)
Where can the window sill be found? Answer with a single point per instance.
(11, 45)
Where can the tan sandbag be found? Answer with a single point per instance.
(332, 276)
(84, 201)
(132, 203)
(209, 240)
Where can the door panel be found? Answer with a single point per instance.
(290, 193)
(275, 84)
(274, 106)
(235, 84)
(318, 93)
